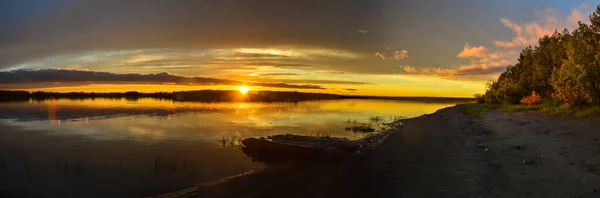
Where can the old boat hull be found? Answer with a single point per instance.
(267, 150)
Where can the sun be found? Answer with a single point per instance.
(243, 89)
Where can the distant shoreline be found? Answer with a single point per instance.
(213, 96)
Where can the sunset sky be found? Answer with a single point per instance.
(387, 48)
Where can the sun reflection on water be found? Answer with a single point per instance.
(52, 112)
(167, 120)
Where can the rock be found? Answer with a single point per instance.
(487, 149)
(520, 147)
(482, 145)
(533, 161)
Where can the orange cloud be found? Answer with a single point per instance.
(399, 55)
(380, 55)
(470, 51)
(437, 71)
(546, 23)
(408, 68)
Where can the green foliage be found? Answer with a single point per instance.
(479, 98)
(569, 83)
(474, 109)
(565, 66)
(556, 109)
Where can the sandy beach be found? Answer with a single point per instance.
(445, 154)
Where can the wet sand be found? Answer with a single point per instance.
(444, 155)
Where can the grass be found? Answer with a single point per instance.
(589, 111)
(554, 109)
(474, 109)
(521, 107)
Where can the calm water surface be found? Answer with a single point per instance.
(134, 148)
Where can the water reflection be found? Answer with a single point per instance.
(132, 148)
(52, 112)
(157, 120)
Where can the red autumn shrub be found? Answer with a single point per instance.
(534, 98)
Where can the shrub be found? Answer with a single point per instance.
(479, 98)
(534, 98)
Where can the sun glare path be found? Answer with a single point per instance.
(243, 89)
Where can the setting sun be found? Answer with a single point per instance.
(243, 89)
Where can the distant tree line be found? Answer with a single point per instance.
(564, 67)
(202, 95)
(209, 96)
(6, 95)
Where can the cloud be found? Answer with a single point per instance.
(471, 52)
(577, 14)
(546, 23)
(59, 76)
(277, 74)
(285, 52)
(438, 71)
(63, 28)
(257, 55)
(380, 55)
(408, 68)
(351, 89)
(468, 70)
(277, 64)
(479, 70)
(483, 61)
(399, 55)
(215, 63)
(361, 31)
(333, 82)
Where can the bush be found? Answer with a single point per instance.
(534, 98)
(479, 98)
(510, 91)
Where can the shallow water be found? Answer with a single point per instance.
(132, 148)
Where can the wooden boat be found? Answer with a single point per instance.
(280, 148)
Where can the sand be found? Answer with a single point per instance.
(446, 154)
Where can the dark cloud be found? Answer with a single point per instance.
(85, 25)
(350, 89)
(63, 76)
(159, 63)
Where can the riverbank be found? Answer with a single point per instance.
(447, 153)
